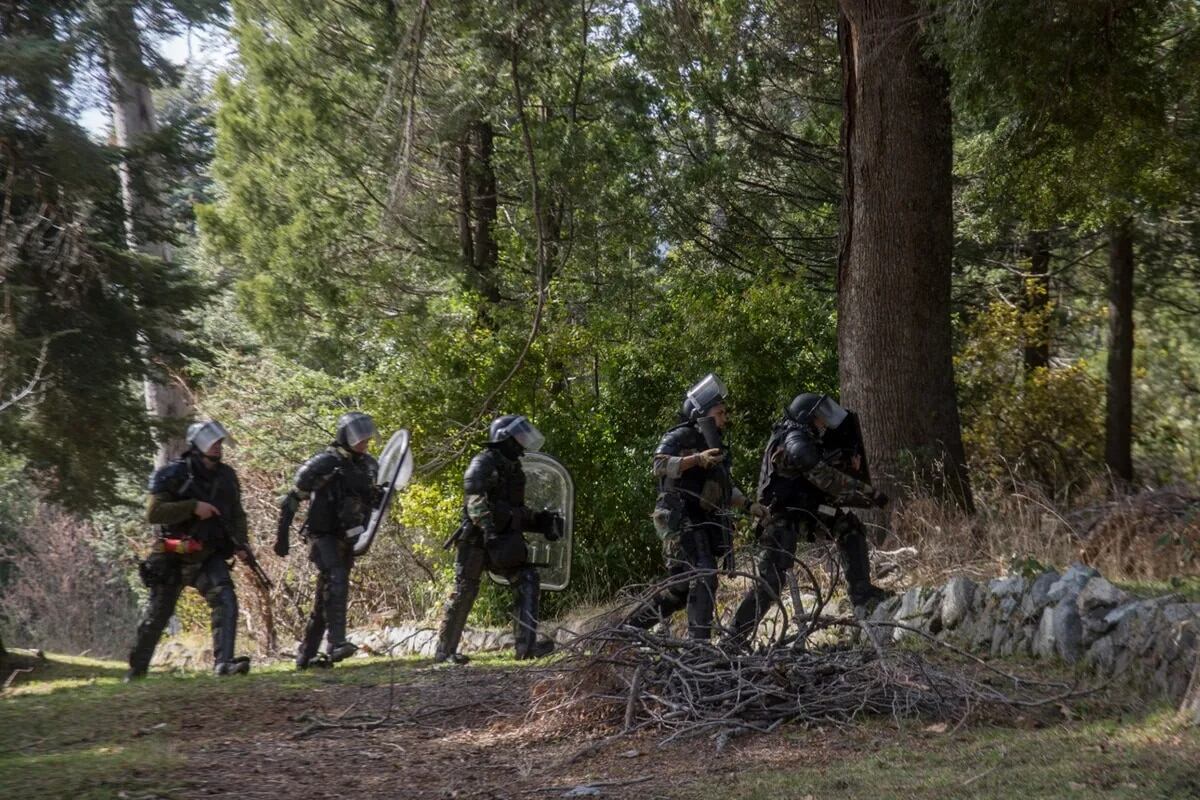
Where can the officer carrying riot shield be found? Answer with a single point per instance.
(342, 486)
(491, 537)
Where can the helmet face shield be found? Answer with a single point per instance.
(708, 392)
(203, 435)
(523, 431)
(355, 427)
(828, 410)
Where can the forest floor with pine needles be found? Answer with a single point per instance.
(404, 728)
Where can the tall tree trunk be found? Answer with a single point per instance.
(894, 335)
(1118, 420)
(168, 400)
(1190, 707)
(477, 209)
(1036, 301)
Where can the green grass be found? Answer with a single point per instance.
(1144, 757)
(1188, 587)
(72, 729)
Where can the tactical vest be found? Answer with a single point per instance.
(342, 497)
(502, 481)
(187, 480)
(702, 492)
(780, 487)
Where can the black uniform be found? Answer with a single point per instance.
(341, 487)
(801, 472)
(491, 538)
(691, 516)
(174, 492)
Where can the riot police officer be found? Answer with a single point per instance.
(812, 464)
(691, 513)
(340, 485)
(196, 502)
(491, 538)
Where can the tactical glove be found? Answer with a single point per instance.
(758, 510)
(879, 498)
(710, 458)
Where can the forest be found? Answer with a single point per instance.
(974, 224)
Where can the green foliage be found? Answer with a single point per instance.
(1042, 425)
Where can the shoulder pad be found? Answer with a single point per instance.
(802, 452)
(481, 472)
(316, 468)
(168, 478)
(680, 438)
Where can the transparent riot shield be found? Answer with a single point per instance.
(395, 471)
(548, 486)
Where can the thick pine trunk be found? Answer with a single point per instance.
(1118, 422)
(168, 400)
(1036, 301)
(894, 335)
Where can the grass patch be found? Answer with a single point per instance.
(71, 728)
(1149, 756)
(1188, 587)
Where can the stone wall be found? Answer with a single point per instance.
(1077, 617)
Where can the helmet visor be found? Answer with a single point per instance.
(208, 434)
(359, 428)
(523, 431)
(828, 410)
(707, 393)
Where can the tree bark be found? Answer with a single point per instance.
(477, 210)
(894, 334)
(168, 399)
(1036, 301)
(1118, 422)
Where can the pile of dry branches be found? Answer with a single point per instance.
(826, 671)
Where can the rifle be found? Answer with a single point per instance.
(250, 561)
(459, 532)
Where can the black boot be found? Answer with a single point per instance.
(527, 586)
(857, 564)
(340, 652)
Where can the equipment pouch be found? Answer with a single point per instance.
(507, 551)
(668, 514)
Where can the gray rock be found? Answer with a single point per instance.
(1101, 656)
(1009, 586)
(1060, 633)
(1098, 594)
(957, 596)
(1038, 596)
(1071, 583)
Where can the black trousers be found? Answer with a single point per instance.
(167, 575)
(691, 560)
(777, 555)
(333, 557)
(470, 562)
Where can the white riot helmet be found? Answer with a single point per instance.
(709, 391)
(203, 435)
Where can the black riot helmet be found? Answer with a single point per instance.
(353, 427)
(203, 435)
(807, 407)
(517, 429)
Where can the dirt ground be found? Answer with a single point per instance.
(374, 728)
(439, 732)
